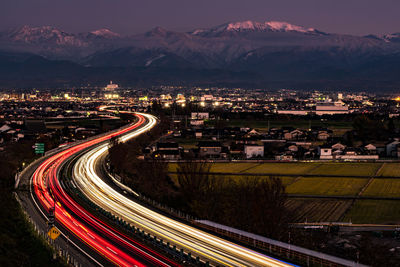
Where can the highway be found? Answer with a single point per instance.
(89, 232)
(87, 177)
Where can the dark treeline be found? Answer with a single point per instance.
(18, 246)
(251, 204)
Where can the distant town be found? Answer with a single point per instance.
(216, 123)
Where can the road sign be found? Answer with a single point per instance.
(53, 233)
(39, 148)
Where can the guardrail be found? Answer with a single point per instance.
(289, 251)
(58, 250)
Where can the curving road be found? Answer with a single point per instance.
(88, 179)
(48, 192)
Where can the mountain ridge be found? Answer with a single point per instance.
(275, 52)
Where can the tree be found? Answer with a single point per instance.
(257, 205)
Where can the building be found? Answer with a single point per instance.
(294, 112)
(111, 86)
(211, 149)
(325, 152)
(253, 151)
(323, 135)
(167, 151)
(391, 148)
(331, 108)
(200, 116)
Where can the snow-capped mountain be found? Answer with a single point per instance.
(253, 26)
(394, 37)
(54, 43)
(36, 35)
(105, 33)
(271, 50)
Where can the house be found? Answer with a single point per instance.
(198, 135)
(236, 150)
(200, 116)
(323, 135)
(325, 152)
(292, 135)
(167, 150)
(293, 148)
(370, 147)
(5, 128)
(211, 149)
(284, 156)
(253, 151)
(338, 146)
(196, 122)
(391, 148)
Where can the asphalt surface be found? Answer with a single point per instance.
(67, 242)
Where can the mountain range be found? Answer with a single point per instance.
(265, 54)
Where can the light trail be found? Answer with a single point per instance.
(101, 237)
(203, 244)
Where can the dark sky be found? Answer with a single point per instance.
(357, 17)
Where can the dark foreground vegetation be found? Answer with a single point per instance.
(18, 244)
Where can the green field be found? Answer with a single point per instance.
(328, 186)
(317, 169)
(323, 210)
(286, 180)
(346, 169)
(390, 169)
(283, 168)
(317, 210)
(223, 167)
(383, 188)
(374, 211)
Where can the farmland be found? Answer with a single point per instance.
(327, 186)
(304, 168)
(317, 210)
(374, 211)
(286, 180)
(390, 170)
(383, 188)
(350, 169)
(283, 168)
(313, 179)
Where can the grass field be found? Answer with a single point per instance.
(283, 168)
(223, 167)
(317, 210)
(383, 188)
(349, 169)
(390, 169)
(374, 211)
(286, 180)
(312, 168)
(328, 186)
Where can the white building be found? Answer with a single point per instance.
(325, 153)
(254, 151)
(331, 108)
(293, 112)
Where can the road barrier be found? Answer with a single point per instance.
(58, 251)
(291, 252)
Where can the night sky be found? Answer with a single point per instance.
(357, 17)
